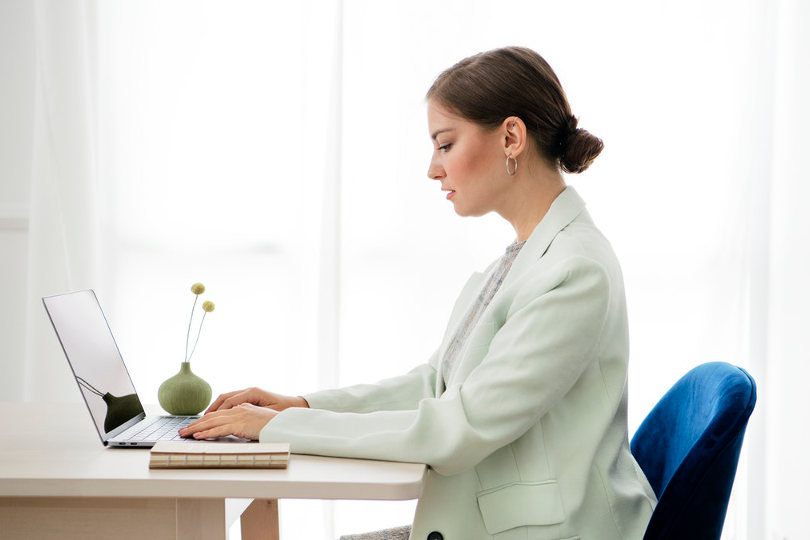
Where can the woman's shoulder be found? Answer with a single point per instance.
(582, 240)
(578, 252)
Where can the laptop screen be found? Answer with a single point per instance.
(94, 358)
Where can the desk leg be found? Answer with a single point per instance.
(200, 519)
(260, 520)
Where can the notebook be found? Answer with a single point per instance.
(176, 455)
(103, 378)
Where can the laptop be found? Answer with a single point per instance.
(103, 378)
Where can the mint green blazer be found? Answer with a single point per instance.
(529, 438)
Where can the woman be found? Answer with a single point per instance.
(521, 411)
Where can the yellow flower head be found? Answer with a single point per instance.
(198, 288)
(208, 306)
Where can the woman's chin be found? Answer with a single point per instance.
(469, 212)
(459, 209)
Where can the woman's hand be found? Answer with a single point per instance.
(256, 396)
(245, 420)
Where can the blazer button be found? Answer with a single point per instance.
(435, 535)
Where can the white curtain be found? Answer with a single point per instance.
(278, 153)
(785, 311)
(64, 239)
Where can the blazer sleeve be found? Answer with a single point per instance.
(396, 393)
(549, 336)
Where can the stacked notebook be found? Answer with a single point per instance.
(204, 455)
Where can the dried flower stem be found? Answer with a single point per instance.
(188, 334)
(198, 337)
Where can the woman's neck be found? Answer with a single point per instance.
(530, 200)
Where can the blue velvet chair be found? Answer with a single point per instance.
(688, 447)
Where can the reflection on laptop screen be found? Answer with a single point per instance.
(94, 358)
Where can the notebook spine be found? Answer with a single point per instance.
(190, 461)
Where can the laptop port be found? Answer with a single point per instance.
(133, 443)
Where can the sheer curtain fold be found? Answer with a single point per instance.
(787, 473)
(64, 230)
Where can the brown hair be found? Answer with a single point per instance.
(488, 87)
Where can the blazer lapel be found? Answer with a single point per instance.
(461, 307)
(465, 299)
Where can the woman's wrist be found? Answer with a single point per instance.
(301, 402)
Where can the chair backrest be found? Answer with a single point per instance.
(688, 447)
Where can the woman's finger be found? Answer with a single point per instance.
(238, 399)
(214, 432)
(207, 421)
(233, 424)
(221, 399)
(245, 420)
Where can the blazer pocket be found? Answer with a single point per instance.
(520, 504)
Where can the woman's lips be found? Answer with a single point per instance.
(450, 194)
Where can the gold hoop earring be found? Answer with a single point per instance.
(511, 173)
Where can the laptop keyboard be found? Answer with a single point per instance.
(163, 428)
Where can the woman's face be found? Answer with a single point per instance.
(468, 160)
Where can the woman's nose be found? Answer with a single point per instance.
(435, 172)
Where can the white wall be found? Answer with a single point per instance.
(16, 118)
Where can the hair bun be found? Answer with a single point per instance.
(578, 148)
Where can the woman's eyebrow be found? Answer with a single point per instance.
(436, 133)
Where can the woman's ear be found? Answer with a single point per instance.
(514, 136)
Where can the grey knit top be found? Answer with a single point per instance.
(484, 297)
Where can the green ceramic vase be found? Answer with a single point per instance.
(185, 393)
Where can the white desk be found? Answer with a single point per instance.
(73, 487)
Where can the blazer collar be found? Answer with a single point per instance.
(565, 209)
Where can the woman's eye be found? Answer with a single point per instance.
(446, 147)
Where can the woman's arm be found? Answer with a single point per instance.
(396, 393)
